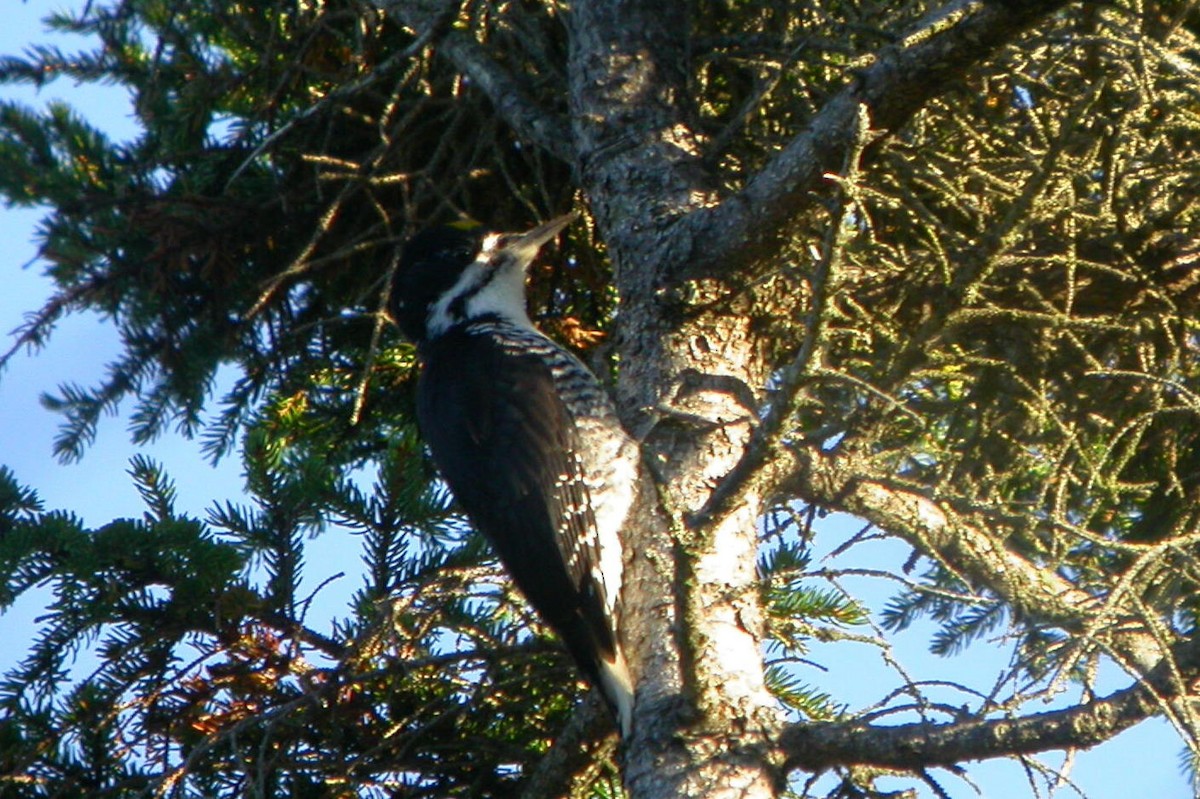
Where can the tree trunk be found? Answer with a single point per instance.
(703, 716)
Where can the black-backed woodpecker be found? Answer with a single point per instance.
(524, 435)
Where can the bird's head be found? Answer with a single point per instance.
(452, 274)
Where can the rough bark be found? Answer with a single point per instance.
(639, 166)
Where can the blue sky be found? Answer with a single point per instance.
(1140, 763)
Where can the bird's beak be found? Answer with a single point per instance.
(526, 245)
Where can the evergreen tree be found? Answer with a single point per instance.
(933, 265)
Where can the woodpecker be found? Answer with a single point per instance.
(524, 435)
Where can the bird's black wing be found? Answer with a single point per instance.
(506, 444)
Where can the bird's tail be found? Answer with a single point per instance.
(617, 687)
(598, 655)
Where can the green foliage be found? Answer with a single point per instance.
(126, 600)
(797, 695)
(960, 623)
(210, 238)
(797, 612)
(170, 645)
(1014, 332)
(246, 232)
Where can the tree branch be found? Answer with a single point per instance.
(508, 95)
(900, 80)
(921, 745)
(844, 481)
